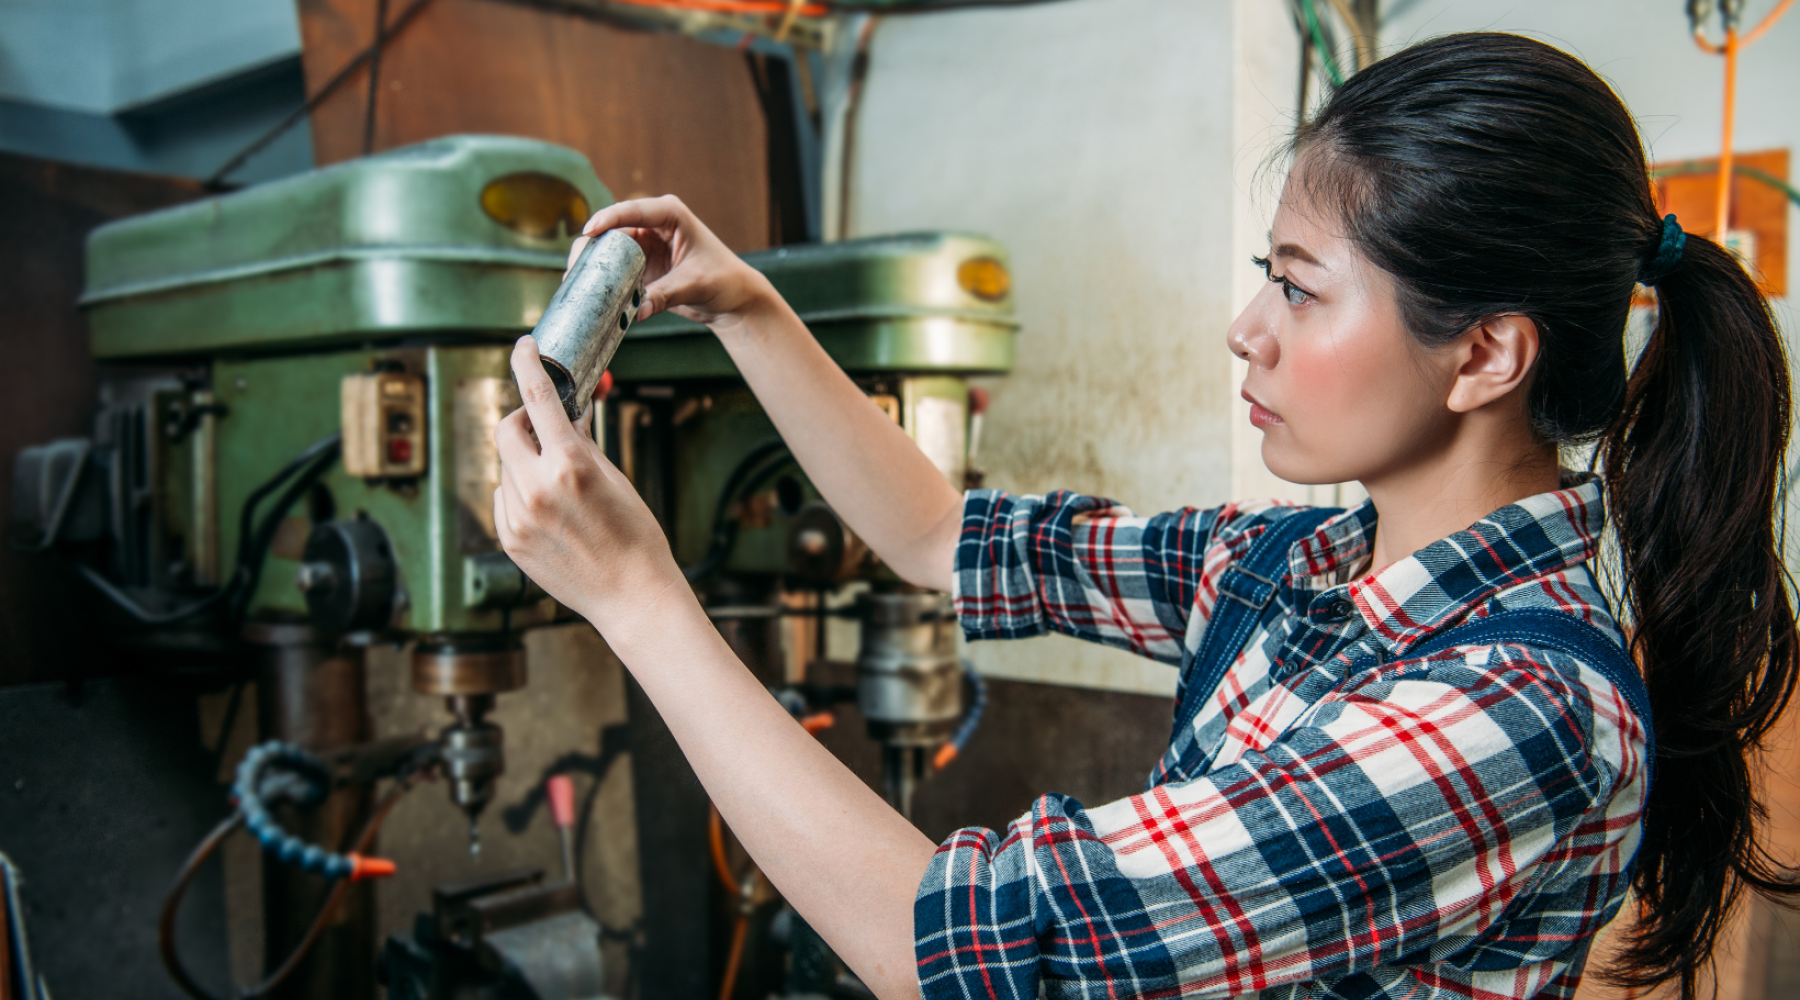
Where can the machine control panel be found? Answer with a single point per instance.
(384, 425)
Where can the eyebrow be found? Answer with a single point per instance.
(1297, 252)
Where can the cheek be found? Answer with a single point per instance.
(1345, 375)
(1358, 400)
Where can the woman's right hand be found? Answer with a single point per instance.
(689, 270)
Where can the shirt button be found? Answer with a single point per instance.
(1340, 609)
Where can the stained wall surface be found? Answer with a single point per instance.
(1118, 148)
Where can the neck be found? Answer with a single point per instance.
(1480, 469)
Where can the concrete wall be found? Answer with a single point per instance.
(1117, 147)
(104, 56)
(1114, 147)
(157, 86)
(1645, 52)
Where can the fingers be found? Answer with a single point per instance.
(575, 249)
(539, 393)
(512, 437)
(666, 212)
(509, 506)
(659, 293)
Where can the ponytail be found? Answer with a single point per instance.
(1491, 174)
(1694, 466)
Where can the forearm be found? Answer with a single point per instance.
(865, 466)
(845, 860)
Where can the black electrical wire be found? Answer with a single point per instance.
(217, 180)
(743, 480)
(124, 602)
(300, 475)
(310, 464)
(381, 8)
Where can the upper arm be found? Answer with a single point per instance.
(1082, 566)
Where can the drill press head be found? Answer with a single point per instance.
(468, 671)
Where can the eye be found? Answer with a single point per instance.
(1295, 295)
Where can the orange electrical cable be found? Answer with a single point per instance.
(716, 834)
(732, 6)
(1732, 46)
(1766, 23)
(1724, 203)
(739, 932)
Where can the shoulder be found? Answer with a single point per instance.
(1572, 591)
(1548, 701)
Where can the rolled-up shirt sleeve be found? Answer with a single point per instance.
(1082, 566)
(1390, 829)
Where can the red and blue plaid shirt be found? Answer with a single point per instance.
(1340, 819)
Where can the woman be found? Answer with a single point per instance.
(1411, 757)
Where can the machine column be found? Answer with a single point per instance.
(310, 692)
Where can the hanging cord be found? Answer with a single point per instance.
(1700, 10)
(743, 890)
(1327, 59)
(1723, 208)
(381, 8)
(1729, 10)
(217, 180)
(252, 545)
(971, 720)
(300, 475)
(165, 932)
(749, 475)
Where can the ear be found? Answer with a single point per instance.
(1497, 358)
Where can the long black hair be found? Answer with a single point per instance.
(1493, 174)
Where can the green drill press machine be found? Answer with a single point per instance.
(293, 454)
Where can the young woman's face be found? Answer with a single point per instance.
(1338, 387)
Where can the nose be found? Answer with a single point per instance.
(1252, 335)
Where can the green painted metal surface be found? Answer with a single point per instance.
(279, 406)
(386, 246)
(398, 260)
(717, 436)
(884, 304)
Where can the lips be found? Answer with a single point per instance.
(1260, 416)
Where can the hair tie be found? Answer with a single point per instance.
(1668, 253)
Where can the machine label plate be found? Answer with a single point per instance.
(481, 403)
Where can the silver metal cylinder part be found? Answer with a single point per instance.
(588, 316)
(909, 681)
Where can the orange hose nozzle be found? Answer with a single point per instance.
(364, 867)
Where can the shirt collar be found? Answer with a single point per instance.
(1439, 584)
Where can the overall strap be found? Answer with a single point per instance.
(1565, 633)
(1245, 590)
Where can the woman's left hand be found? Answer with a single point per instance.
(569, 518)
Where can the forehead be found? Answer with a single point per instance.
(1308, 228)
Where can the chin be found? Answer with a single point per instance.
(1301, 469)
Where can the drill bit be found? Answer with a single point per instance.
(474, 838)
